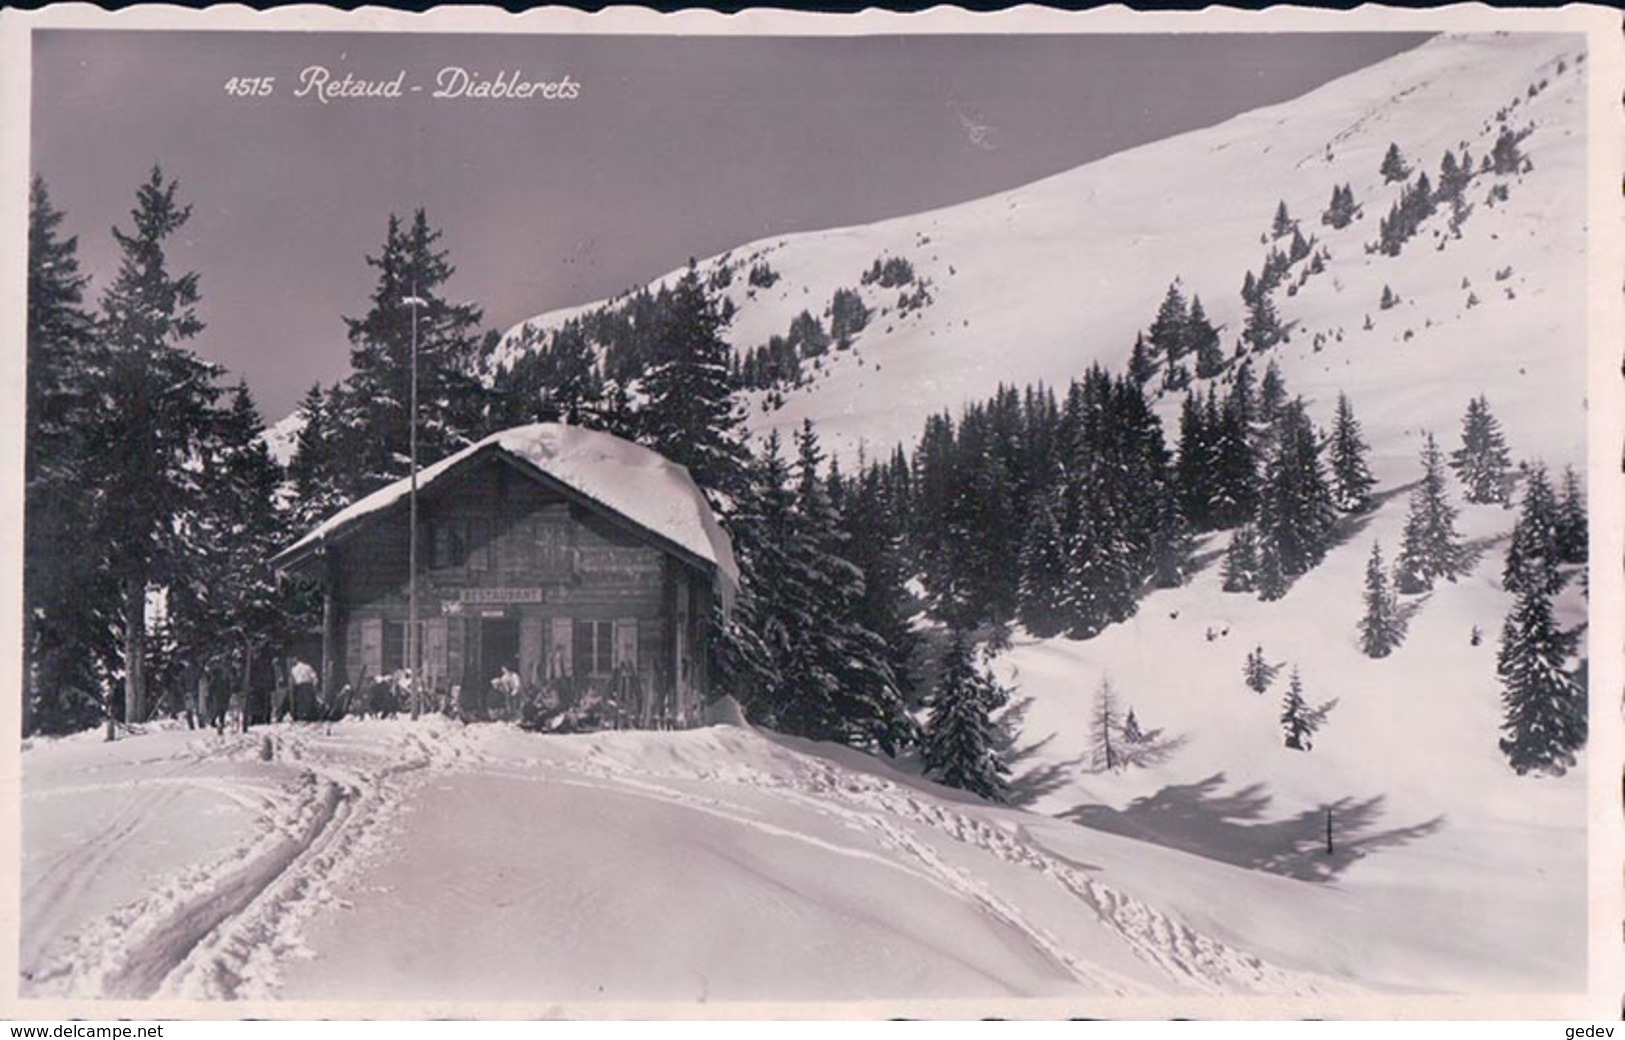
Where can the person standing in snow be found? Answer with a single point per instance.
(506, 685)
(304, 691)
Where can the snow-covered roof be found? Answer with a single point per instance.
(627, 479)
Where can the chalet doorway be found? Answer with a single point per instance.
(496, 644)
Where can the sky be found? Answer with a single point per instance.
(670, 148)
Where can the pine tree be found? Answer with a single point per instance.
(1043, 568)
(958, 746)
(1535, 553)
(1259, 673)
(1249, 289)
(1299, 249)
(1262, 329)
(230, 605)
(1545, 707)
(67, 600)
(1271, 400)
(1139, 748)
(1296, 513)
(1573, 531)
(1431, 547)
(1482, 463)
(1169, 330)
(156, 405)
(1203, 342)
(315, 473)
(1394, 167)
(1105, 730)
(1389, 300)
(1234, 499)
(372, 411)
(1141, 365)
(1351, 480)
(1283, 224)
(1342, 211)
(691, 416)
(1240, 568)
(872, 525)
(1194, 470)
(1505, 157)
(1273, 581)
(1381, 628)
(837, 685)
(1298, 720)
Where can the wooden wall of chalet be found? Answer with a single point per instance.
(493, 528)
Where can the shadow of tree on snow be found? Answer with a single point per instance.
(1026, 787)
(1232, 827)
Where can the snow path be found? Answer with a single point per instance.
(388, 859)
(197, 931)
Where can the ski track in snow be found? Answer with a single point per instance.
(217, 931)
(221, 931)
(1189, 958)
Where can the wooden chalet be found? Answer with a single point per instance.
(583, 562)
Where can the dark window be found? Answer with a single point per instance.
(448, 543)
(595, 647)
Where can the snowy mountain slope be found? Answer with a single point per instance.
(367, 860)
(492, 864)
(1036, 283)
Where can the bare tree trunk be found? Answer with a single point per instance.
(248, 672)
(135, 650)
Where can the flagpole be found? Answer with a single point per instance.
(412, 642)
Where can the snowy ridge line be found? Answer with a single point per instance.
(1185, 955)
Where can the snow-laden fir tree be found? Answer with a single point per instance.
(1351, 480)
(1431, 548)
(1196, 464)
(372, 416)
(1234, 479)
(1299, 721)
(1142, 366)
(156, 407)
(1249, 289)
(1394, 168)
(1262, 329)
(691, 416)
(1257, 672)
(1299, 249)
(1273, 581)
(1342, 211)
(1283, 224)
(1139, 748)
(958, 745)
(1203, 342)
(1239, 571)
(1381, 628)
(1168, 331)
(1296, 513)
(1482, 463)
(67, 599)
(231, 605)
(1042, 608)
(872, 522)
(1544, 705)
(1534, 555)
(1573, 531)
(1100, 583)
